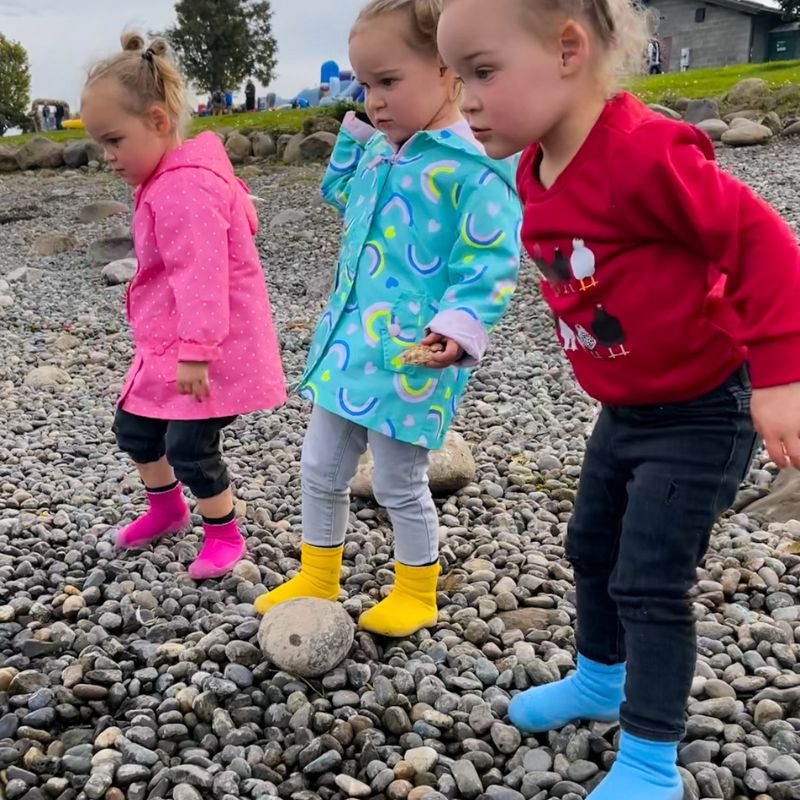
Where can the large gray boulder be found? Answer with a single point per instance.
(263, 145)
(782, 503)
(43, 377)
(238, 148)
(291, 152)
(53, 244)
(746, 134)
(101, 209)
(451, 468)
(40, 153)
(8, 159)
(119, 272)
(111, 248)
(318, 146)
(713, 128)
(79, 152)
(749, 93)
(701, 110)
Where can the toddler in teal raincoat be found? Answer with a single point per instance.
(430, 253)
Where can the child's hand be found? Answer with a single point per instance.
(776, 415)
(193, 378)
(446, 358)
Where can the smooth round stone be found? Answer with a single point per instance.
(767, 711)
(306, 636)
(352, 787)
(700, 727)
(715, 688)
(538, 760)
(581, 771)
(421, 759)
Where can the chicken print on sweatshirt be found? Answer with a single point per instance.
(595, 329)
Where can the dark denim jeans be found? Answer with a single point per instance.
(193, 448)
(654, 481)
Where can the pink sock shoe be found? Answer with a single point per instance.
(167, 513)
(223, 546)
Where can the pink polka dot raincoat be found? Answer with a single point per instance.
(199, 292)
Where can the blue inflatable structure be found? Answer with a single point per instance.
(335, 85)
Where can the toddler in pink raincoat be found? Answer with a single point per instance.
(206, 350)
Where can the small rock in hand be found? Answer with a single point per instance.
(420, 354)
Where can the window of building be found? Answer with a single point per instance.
(700, 15)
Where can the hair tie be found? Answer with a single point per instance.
(147, 55)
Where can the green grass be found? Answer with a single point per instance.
(56, 136)
(701, 83)
(274, 122)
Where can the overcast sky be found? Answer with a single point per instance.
(63, 36)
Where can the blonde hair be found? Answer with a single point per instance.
(621, 27)
(148, 75)
(423, 17)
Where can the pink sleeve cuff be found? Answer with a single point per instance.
(774, 362)
(360, 131)
(466, 331)
(191, 351)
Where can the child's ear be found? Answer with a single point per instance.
(573, 43)
(160, 120)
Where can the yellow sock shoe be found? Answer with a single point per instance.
(318, 577)
(411, 605)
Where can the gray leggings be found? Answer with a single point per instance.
(331, 450)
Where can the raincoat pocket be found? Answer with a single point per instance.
(407, 325)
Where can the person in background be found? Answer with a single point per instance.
(654, 56)
(217, 103)
(250, 96)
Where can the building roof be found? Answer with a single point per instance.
(750, 6)
(787, 28)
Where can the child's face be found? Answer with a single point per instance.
(133, 145)
(514, 91)
(406, 91)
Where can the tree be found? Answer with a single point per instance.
(15, 84)
(220, 42)
(791, 9)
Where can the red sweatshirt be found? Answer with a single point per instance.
(633, 238)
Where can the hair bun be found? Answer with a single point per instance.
(132, 41)
(158, 47)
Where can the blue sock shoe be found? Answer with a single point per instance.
(643, 770)
(595, 692)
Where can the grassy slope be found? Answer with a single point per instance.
(714, 82)
(695, 83)
(289, 121)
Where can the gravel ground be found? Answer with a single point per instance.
(122, 678)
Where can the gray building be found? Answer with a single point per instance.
(715, 32)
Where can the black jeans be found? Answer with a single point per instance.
(193, 448)
(654, 481)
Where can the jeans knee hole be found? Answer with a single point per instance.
(672, 491)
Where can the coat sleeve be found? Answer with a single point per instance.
(483, 265)
(677, 192)
(345, 159)
(191, 223)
